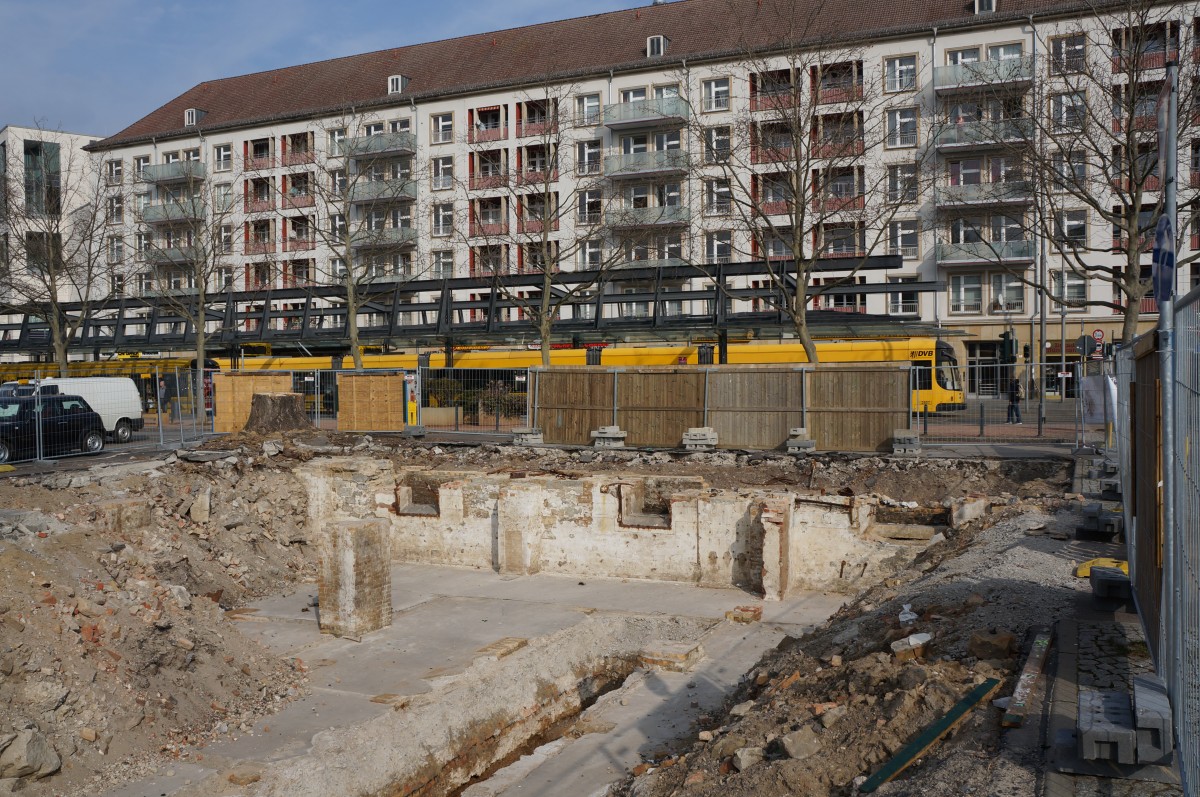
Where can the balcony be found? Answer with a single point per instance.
(172, 255)
(298, 157)
(773, 100)
(1007, 73)
(904, 308)
(984, 252)
(534, 226)
(184, 210)
(838, 148)
(364, 191)
(968, 135)
(537, 176)
(1013, 192)
(771, 153)
(262, 205)
(672, 215)
(177, 172)
(661, 262)
(485, 182)
(165, 291)
(301, 244)
(663, 112)
(380, 145)
(1145, 123)
(256, 163)
(481, 134)
(1152, 59)
(837, 91)
(260, 246)
(642, 164)
(834, 203)
(1145, 244)
(391, 237)
(536, 127)
(777, 207)
(484, 229)
(291, 201)
(1150, 182)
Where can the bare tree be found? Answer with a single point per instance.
(815, 166)
(363, 181)
(54, 208)
(1073, 154)
(523, 219)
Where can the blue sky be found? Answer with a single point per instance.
(95, 66)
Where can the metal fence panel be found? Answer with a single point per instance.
(474, 400)
(1182, 608)
(1051, 413)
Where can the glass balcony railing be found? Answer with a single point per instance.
(640, 163)
(179, 171)
(647, 113)
(1006, 193)
(383, 190)
(392, 236)
(984, 251)
(173, 211)
(659, 262)
(382, 144)
(1001, 72)
(172, 254)
(985, 133)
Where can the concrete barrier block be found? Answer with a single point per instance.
(700, 438)
(1109, 583)
(1152, 718)
(527, 436)
(1106, 731)
(609, 437)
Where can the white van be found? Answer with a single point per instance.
(114, 398)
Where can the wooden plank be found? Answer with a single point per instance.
(930, 736)
(1034, 662)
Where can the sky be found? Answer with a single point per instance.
(96, 66)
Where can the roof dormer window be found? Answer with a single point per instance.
(656, 46)
(397, 84)
(192, 117)
(985, 6)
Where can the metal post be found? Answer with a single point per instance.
(614, 399)
(158, 394)
(179, 410)
(707, 372)
(981, 419)
(535, 417)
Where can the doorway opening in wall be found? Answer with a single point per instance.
(984, 371)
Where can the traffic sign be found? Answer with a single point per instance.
(1085, 345)
(1162, 274)
(1098, 335)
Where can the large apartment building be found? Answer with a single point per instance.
(981, 145)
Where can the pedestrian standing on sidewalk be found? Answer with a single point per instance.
(1015, 393)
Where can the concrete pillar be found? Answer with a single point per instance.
(776, 519)
(354, 582)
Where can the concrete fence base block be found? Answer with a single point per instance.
(414, 431)
(700, 438)
(799, 442)
(1106, 731)
(1152, 718)
(608, 437)
(527, 436)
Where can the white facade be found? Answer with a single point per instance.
(450, 178)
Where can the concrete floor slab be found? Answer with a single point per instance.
(445, 615)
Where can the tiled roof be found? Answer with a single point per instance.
(697, 29)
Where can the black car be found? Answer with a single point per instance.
(67, 424)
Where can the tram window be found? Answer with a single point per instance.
(924, 371)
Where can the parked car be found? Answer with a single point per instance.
(67, 424)
(115, 398)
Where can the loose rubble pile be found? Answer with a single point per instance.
(119, 588)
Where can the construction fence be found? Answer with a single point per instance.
(50, 417)
(1160, 487)
(1056, 405)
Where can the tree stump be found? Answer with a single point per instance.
(276, 412)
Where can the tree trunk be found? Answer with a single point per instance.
(544, 333)
(58, 339)
(1130, 322)
(276, 412)
(352, 323)
(800, 322)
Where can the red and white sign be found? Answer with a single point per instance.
(1098, 335)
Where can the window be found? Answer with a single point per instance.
(966, 293)
(716, 94)
(633, 95)
(587, 109)
(1008, 294)
(1068, 111)
(968, 171)
(666, 91)
(400, 126)
(114, 172)
(336, 138)
(443, 264)
(396, 84)
(591, 254)
(588, 157)
(669, 195)
(141, 245)
(441, 126)
(225, 238)
(668, 140)
(1067, 54)
(443, 218)
(337, 225)
(443, 172)
(1070, 228)
(373, 129)
(191, 155)
(717, 197)
(338, 181)
(115, 210)
(656, 46)
(902, 183)
(970, 55)
(904, 238)
(116, 249)
(1005, 52)
(985, 6)
(1007, 228)
(1070, 170)
(717, 144)
(1076, 288)
(140, 164)
(966, 230)
(590, 205)
(718, 247)
(900, 73)
(117, 285)
(902, 127)
(222, 157)
(903, 302)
